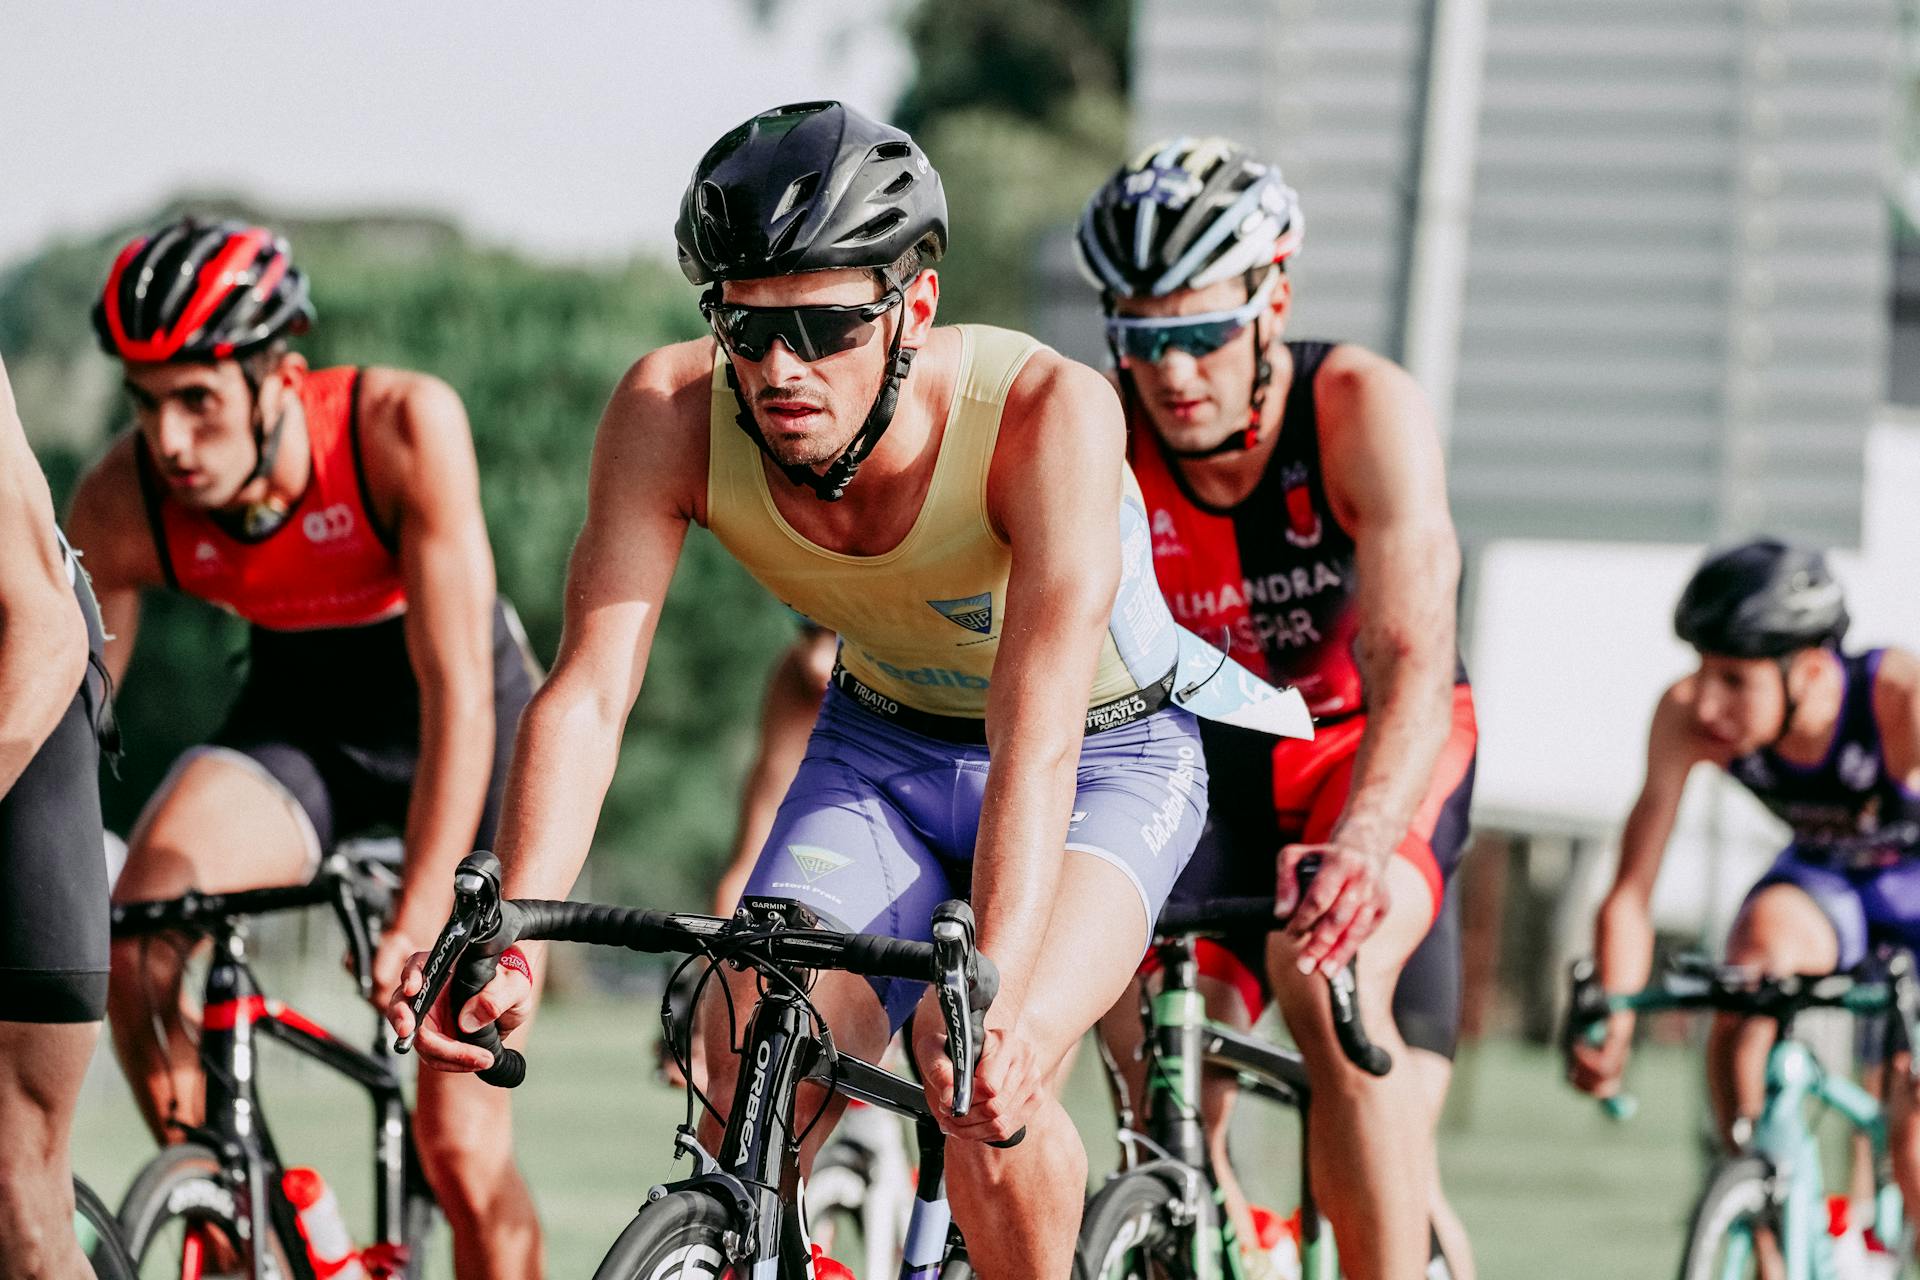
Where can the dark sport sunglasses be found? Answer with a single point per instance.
(811, 333)
(1149, 338)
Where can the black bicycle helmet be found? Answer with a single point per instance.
(199, 291)
(1185, 214)
(809, 187)
(815, 186)
(1761, 599)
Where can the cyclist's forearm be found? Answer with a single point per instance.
(450, 789)
(1409, 709)
(1017, 858)
(1623, 942)
(563, 762)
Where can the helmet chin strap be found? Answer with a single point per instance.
(831, 484)
(258, 519)
(1783, 662)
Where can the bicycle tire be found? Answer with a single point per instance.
(183, 1184)
(838, 1195)
(1130, 1232)
(99, 1234)
(678, 1237)
(1735, 1202)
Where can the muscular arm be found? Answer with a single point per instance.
(427, 464)
(43, 638)
(1896, 705)
(1623, 930)
(787, 713)
(1387, 484)
(1065, 538)
(649, 464)
(107, 524)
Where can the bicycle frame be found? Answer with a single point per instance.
(757, 1171)
(1184, 1044)
(1785, 1140)
(236, 1015)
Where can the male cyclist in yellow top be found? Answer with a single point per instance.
(1003, 716)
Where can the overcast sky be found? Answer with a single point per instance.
(567, 128)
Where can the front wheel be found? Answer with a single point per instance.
(1723, 1240)
(1132, 1231)
(99, 1235)
(182, 1220)
(681, 1236)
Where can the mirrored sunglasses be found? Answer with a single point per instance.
(811, 333)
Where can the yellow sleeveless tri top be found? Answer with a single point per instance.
(921, 623)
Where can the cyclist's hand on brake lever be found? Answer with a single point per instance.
(390, 958)
(1008, 1086)
(506, 1000)
(1340, 909)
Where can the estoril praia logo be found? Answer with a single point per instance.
(975, 613)
(815, 862)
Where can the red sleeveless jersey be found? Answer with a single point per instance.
(1272, 576)
(329, 564)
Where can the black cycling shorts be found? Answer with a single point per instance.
(53, 866)
(333, 717)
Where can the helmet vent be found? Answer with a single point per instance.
(798, 192)
(891, 151)
(784, 241)
(875, 228)
(895, 187)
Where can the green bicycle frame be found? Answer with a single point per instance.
(1185, 1043)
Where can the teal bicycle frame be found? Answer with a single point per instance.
(1782, 1135)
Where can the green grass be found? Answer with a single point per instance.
(1546, 1185)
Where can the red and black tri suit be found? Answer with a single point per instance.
(1273, 577)
(329, 708)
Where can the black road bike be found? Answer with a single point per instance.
(215, 1201)
(741, 1213)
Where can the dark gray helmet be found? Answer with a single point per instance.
(1761, 599)
(808, 187)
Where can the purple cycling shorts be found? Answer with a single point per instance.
(879, 825)
(1865, 904)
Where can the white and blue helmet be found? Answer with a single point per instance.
(1185, 214)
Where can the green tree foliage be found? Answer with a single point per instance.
(1022, 105)
(534, 350)
(1024, 58)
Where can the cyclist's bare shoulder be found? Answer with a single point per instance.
(107, 522)
(652, 440)
(1676, 742)
(1061, 419)
(1896, 707)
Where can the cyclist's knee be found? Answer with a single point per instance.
(1782, 930)
(466, 1164)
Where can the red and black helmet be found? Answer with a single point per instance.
(201, 291)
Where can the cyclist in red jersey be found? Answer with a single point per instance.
(338, 512)
(1298, 505)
